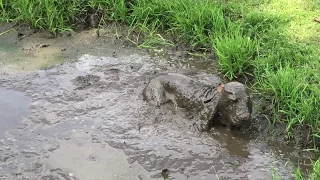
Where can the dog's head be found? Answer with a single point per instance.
(235, 106)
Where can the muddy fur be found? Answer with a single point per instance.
(235, 105)
(229, 104)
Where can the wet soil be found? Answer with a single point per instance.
(86, 118)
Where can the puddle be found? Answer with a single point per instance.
(79, 157)
(33, 51)
(88, 120)
(94, 106)
(13, 107)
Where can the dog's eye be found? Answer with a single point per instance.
(233, 100)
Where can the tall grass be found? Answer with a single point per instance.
(63, 15)
(295, 97)
(236, 53)
(274, 42)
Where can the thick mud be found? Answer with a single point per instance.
(87, 120)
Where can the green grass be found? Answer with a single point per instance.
(63, 15)
(294, 96)
(298, 175)
(274, 43)
(316, 171)
(236, 54)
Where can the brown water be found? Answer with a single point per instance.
(104, 130)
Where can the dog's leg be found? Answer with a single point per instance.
(171, 97)
(203, 117)
(158, 94)
(196, 127)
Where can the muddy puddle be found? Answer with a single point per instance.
(87, 120)
(13, 107)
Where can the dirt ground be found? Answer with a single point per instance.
(72, 108)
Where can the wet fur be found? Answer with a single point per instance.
(207, 101)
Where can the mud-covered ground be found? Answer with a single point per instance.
(85, 118)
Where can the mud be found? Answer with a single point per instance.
(13, 107)
(87, 120)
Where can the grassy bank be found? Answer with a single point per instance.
(273, 43)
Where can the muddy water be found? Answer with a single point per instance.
(13, 106)
(87, 121)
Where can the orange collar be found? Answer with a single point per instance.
(220, 87)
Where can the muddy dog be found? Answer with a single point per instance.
(229, 104)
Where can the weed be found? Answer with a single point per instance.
(235, 53)
(275, 174)
(7, 31)
(292, 96)
(316, 171)
(2, 8)
(314, 175)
